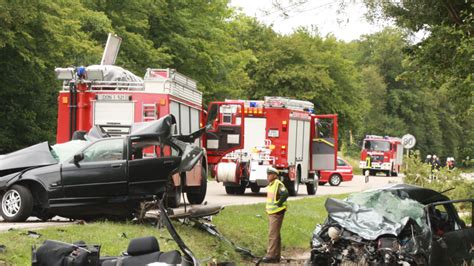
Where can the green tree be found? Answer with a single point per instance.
(37, 36)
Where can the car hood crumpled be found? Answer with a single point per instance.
(36, 155)
(374, 213)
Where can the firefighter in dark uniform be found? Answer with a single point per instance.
(275, 208)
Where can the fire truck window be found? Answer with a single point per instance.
(212, 115)
(227, 118)
(377, 145)
(324, 128)
(106, 150)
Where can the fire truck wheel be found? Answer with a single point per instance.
(174, 196)
(255, 188)
(311, 188)
(321, 183)
(198, 197)
(17, 204)
(293, 186)
(230, 190)
(240, 190)
(335, 180)
(394, 174)
(388, 173)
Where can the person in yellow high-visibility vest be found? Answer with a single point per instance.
(275, 208)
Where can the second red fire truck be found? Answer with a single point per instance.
(381, 154)
(249, 136)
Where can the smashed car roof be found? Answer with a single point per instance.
(382, 211)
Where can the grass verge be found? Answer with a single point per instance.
(245, 225)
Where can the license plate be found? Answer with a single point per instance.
(273, 133)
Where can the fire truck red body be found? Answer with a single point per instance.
(114, 105)
(381, 154)
(249, 136)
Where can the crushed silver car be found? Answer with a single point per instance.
(400, 224)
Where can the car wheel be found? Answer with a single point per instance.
(17, 204)
(321, 183)
(198, 197)
(174, 196)
(335, 180)
(255, 188)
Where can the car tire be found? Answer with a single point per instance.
(335, 180)
(321, 183)
(17, 204)
(255, 188)
(174, 196)
(198, 197)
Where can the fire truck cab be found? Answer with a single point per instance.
(112, 99)
(248, 136)
(381, 154)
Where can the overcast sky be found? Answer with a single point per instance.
(323, 14)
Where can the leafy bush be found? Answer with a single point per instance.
(419, 173)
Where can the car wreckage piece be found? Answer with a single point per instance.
(140, 251)
(96, 177)
(391, 226)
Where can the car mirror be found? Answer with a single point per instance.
(78, 157)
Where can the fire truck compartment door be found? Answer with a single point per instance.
(324, 142)
(114, 113)
(226, 121)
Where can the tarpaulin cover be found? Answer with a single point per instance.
(35, 155)
(374, 213)
(116, 73)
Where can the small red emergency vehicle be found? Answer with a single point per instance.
(112, 99)
(381, 154)
(249, 136)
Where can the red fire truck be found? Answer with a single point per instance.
(381, 154)
(112, 99)
(248, 136)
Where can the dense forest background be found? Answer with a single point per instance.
(380, 84)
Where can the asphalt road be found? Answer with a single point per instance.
(216, 195)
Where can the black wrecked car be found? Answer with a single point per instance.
(397, 225)
(99, 177)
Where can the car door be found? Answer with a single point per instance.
(150, 166)
(100, 174)
(453, 233)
